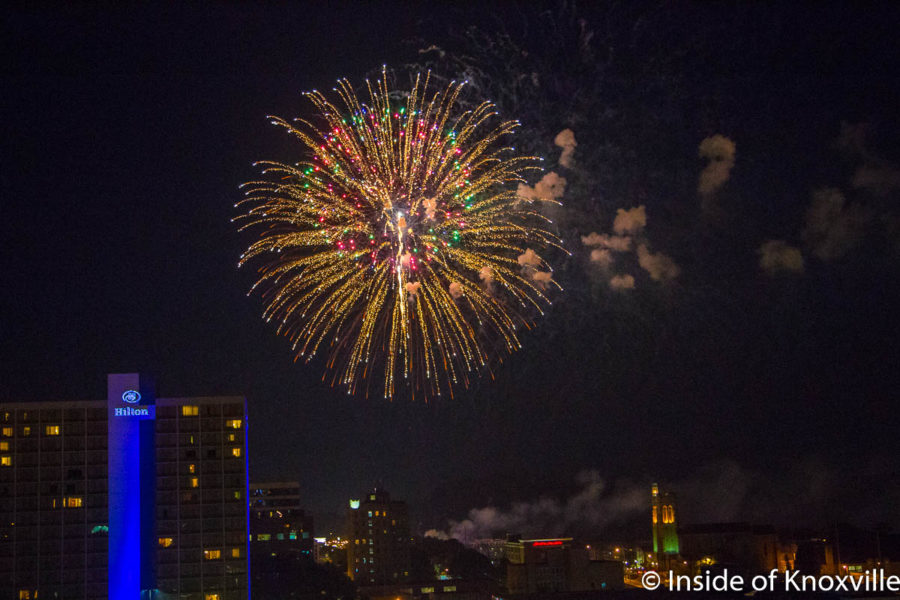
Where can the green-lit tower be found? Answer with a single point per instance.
(665, 527)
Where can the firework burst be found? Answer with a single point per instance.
(397, 246)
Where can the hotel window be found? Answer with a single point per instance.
(26, 594)
(192, 468)
(233, 423)
(230, 437)
(195, 482)
(211, 597)
(235, 553)
(26, 431)
(189, 410)
(263, 537)
(237, 495)
(236, 452)
(6, 461)
(72, 502)
(212, 554)
(7, 432)
(165, 542)
(51, 430)
(4, 446)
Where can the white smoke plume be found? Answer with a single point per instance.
(529, 259)
(455, 290)
(832, 227)
(630, 221)
(659, 266)
(602, 257)
(720, 152)
(622, 282)
(881, 180)
(593, 507)
(777, 256)
(613, 242)
(542, 278)
(565, 139)
(550, 187)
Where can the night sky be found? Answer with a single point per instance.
(754, 396)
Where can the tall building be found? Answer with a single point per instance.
(379, 543)
(124, 498)
(665, 528)
(281, 540)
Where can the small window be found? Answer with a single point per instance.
(263, 537)
(165, 542)
(230, 437)
(51, 430)
(195, 482)
(189, 410)
(233, 424)
(6, 461)
(192, 468)
(211, 597)
(4, 446)
(212, 554)
(26, 594)
(8, 432)
(237, 495)
(236, 452)
(73, 502)
(235, 553)
(26, 431)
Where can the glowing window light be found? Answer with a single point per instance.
(51, 430)
(189, 410)
(213, 554)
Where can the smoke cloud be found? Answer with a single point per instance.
(622, 282)
(455, 290)
(720, 151)
(529, 258)
(486, 274)
(565, 139)
(777, 256)
(659, 266)
(630, 221)
(602, 257)
(832, 228)
(878, 179)
(613, 242)
(413, 288)
(550, 187)
(594, 506)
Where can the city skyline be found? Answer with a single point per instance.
(753, 379)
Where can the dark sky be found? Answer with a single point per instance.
(126, 132)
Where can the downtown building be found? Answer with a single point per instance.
(129, 498)
(378, 545)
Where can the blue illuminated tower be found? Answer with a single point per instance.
(131, 404)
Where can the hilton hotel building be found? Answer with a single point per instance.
(134, 497)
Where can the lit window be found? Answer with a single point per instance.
(190, 410)
(26, 431)
(165, 542)
(212, 554)
(654, 515)
(192, 468)
(377, 513)
(293, 535)
(233, 424)
(370, 513)
(230, 437)
(7, 432)
(237, 495)
(4, 446)
(263, 537)
(195, 482)
(51, 430)
(25, 594)
(235, 553)
(279, 536)
(211, 597)
(236, 451)
(72, 502)
(6, 461)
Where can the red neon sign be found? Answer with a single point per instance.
(550, 543)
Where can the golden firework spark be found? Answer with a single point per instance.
(396, 244)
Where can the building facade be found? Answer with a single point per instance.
(555, 565)
(664, 524)
(124, 498)
(378, 548)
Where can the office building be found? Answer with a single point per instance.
(379, 542)
(127, 498)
